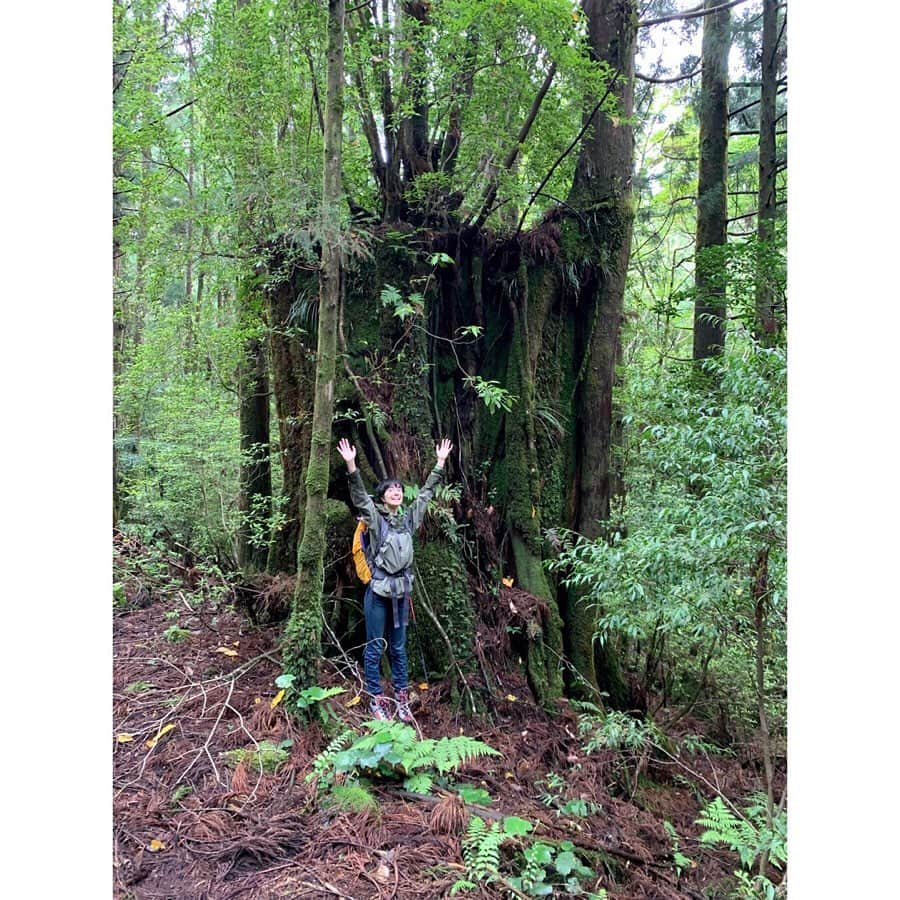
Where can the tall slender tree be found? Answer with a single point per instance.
(602, 189)
(302, 638)
(767, 321)
(255, 495)
(712, 185)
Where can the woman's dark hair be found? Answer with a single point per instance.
(384, 485)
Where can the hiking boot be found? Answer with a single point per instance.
(403, 711)
(380, 708)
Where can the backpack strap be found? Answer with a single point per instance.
(373, 548)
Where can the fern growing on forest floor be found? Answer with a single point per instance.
(393, 751)
(750, 837)
(544, 869)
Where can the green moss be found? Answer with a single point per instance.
(301, 648)
(443, 579)
(600, 228)
(352, 797)
(265, 758)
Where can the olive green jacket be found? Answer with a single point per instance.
(396, 553)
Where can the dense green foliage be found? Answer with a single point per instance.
(393, 751)
(707, 493)
(218, 176)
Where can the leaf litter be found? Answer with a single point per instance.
(188, 825)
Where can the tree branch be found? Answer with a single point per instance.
(568, 149)
(510, 158)
(652, 80)
(750, 105)
(177, 110)
(315, 92)
(695, 13)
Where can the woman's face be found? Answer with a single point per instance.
(393, 495)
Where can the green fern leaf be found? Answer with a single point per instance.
(420, 783)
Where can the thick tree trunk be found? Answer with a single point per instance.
(255, 498)
(303, 635)
(523, 480)
(293, 375)
(602, 192)
(767, 323)
(712, 186)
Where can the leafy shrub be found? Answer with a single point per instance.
(178, 448)
(543, 868)
(632, 738)
(672, 583)
(393, 751)
(574, 806)
(310, 701)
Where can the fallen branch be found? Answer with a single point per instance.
(205, 747)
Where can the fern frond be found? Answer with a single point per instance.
(451, 753)
(481, 849)
(325, 760)
(420, 783)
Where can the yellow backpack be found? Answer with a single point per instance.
(360, 551)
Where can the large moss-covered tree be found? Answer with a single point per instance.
(450, 209)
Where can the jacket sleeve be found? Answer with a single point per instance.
(360, 497)
(420, 504)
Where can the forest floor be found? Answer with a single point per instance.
(190, 823)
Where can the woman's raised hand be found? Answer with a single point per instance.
(347, 450)
(443, 450)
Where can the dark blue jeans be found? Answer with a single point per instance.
(380, 619)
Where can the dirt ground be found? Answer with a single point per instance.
(190, 823)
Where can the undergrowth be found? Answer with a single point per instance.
(393, 752)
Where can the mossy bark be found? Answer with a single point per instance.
(293, 374)
(712, 186)
(303, 635)
(255, 496)
(443, 586)
(600, 238)
(523, 484)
